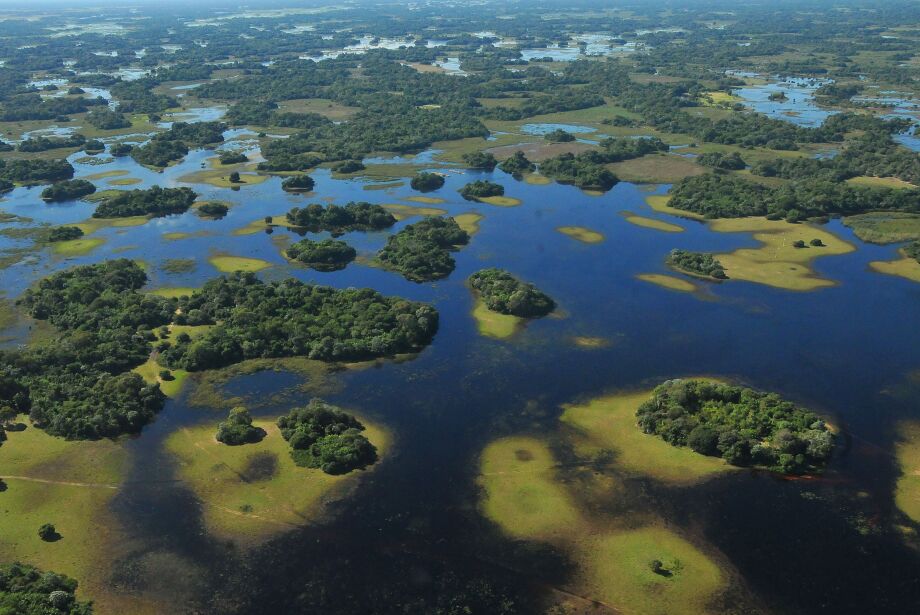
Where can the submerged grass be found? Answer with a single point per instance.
(582, 234)
(904, 267)
(668, 281)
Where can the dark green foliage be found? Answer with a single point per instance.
(426, 182)
(348, 166)
(583, 170)
(235, 178)
(65, 233)
(617, 150)
(725, 162)
(913, 251)
(197, 134)
(94, 146)
(517, 164)
(26, 590)
(34, 107)
(290, 318)
(213, 209)
(337, 219)
(298, 183)
(121, 149)
(559, 136)
(480, 189)
(41, 144)
(741, 425)
(136, 97)
(323, 436)
(421, 251)
(48, 533)
(233, 158)
(697, 263)
(104, 118)
(6, 185)
(154, 202)
(159, 153)
(480, 160)
(504, 293)
(68, 190)
(325, 255)
(238, 429)
(35, 171)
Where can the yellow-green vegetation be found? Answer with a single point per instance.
(652, 223)
(907, 451)
(777, 262)
(430, 200)
(150, 372)
(617, 570)
(668, 281)
(252, 492)
(609, 424)
(453, 151)
(101, 195)
(720, 98)
(469, 222)
(124, 181)
(229, 264)
(173, 291)
(656, 169)
(536, 179)
(521, 492)
(659, 203)
(94, 224)
(582, 234)
(77, 247)
(583, 341)
(105, 175)
(323, 106)
(384, 186)
(905, 267)
(885, 227)
(220, 178)
(880, 182)
(500, 201)
(494, 324)
(401, 212)
(69, 484)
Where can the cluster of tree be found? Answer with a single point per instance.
(284, 319)
(426, 182)
(78, 385)
(913, 251)
(26, 590)
(503, 293)
(325, 437)
(249, 113)
(697, 263)
(516, 165)
(230, 157)
(337, 219)
(104, 118)
(138, 97)
(34, 107)
(617, 150)
(42, 144)
(174, 143)
(727, 196)
(155, 202)
(213, 209)
(121, 149)
(421, 251)
(559, 136)
(582, 170)
(722, 161)
(481, 160)
(741, 425)
(158, 153)
(324, 255)
(68, 190)
(298, 183)
(563, 99)
(35, 171)
(93, 147)
(348, 166)
(238, 428)
(480, 189)
(65, 233)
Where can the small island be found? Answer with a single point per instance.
(559, 136)
(325, 437)
(421, 251)
(29, 590)
(503, 293)
(484, 161)
(700, 264)
(517, 165)
(325, 255)
(68, 190)
(213, 209)
(743, 426)
(64, 233)
(337, 219)
(298, 183)
(480, 189)
(155, 202)
(426, 182)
